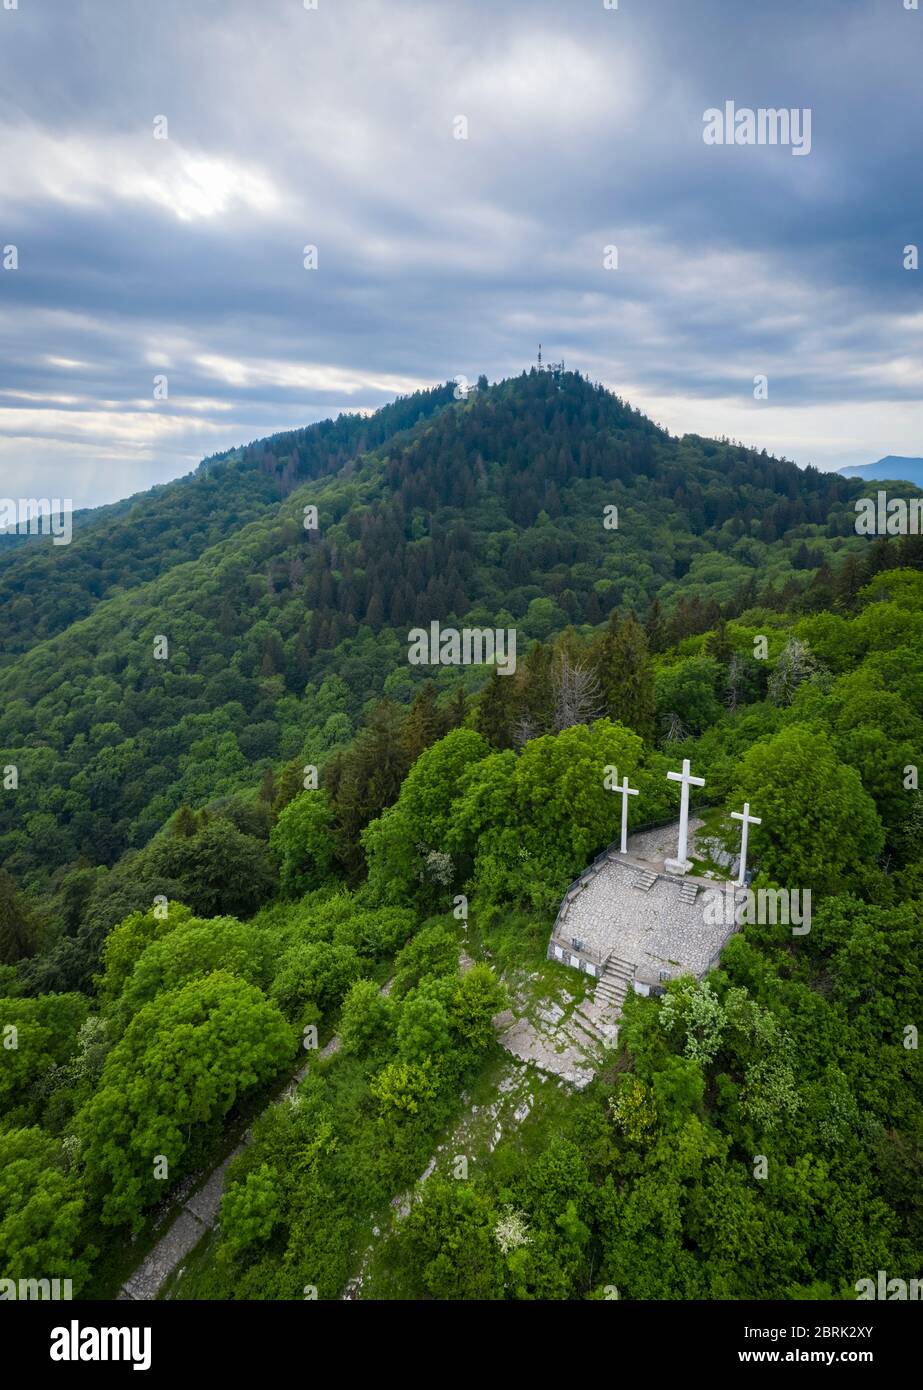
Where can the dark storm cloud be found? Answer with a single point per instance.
(440, 256)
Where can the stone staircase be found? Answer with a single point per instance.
(589, 1031)
(614, 984)
(594, 1023)
(688, 893)
(644, 880)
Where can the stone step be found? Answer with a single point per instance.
(606, 1027)
(613, 1004)
(583, 1035)
(606, 1039)
(587, 1024)
(585, 1020)
(615, 977)
(613, 995)
(643, 880)
(688, 893)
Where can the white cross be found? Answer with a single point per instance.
(681, 863)
(626, 792)
(748, 820)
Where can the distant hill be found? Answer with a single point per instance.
(891, 467)
(123, 545)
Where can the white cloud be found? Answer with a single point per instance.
(298, 376)
(90, 170)
(440, 256)
(829, 436)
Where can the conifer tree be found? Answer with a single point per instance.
(849, 580)
(654, 627)
(496, 710)
(423, 722)
(456, 710)
(184, 823)
(367, 777)
(290, 785)
(19, 927)
(626, 675)
(718, 644)
(534, 694)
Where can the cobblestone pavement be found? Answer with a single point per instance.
(630, 907)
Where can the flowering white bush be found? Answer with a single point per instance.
(511, 1231)
(439, 868)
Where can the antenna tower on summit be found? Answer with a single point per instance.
(556, 368)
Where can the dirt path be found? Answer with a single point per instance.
(199, 1212)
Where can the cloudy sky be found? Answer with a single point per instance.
(437, 256)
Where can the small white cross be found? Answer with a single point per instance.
(681, 863)
(626, 792)
(748, 820)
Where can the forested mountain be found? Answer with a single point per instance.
(488, 511)
(121, 546)
(182, 902)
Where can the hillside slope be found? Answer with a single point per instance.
(491, 510)
(120, 547)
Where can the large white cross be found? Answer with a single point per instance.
(681, 864)
(626, 792)
(748, 820)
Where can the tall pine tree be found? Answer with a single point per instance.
(623, 664)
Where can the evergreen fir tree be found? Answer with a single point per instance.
(496, 710)
(424, 723)
(626, 675)
(290, 785)
(654, 627)
(456, 710)
(849, 580)
(718, 644)
(20, 929)
(184, 823)
(534, 693)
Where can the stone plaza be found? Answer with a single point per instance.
(636, 917)
(632, 909)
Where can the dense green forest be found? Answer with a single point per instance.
(278, 636)
(183, 901)
(123, 546)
